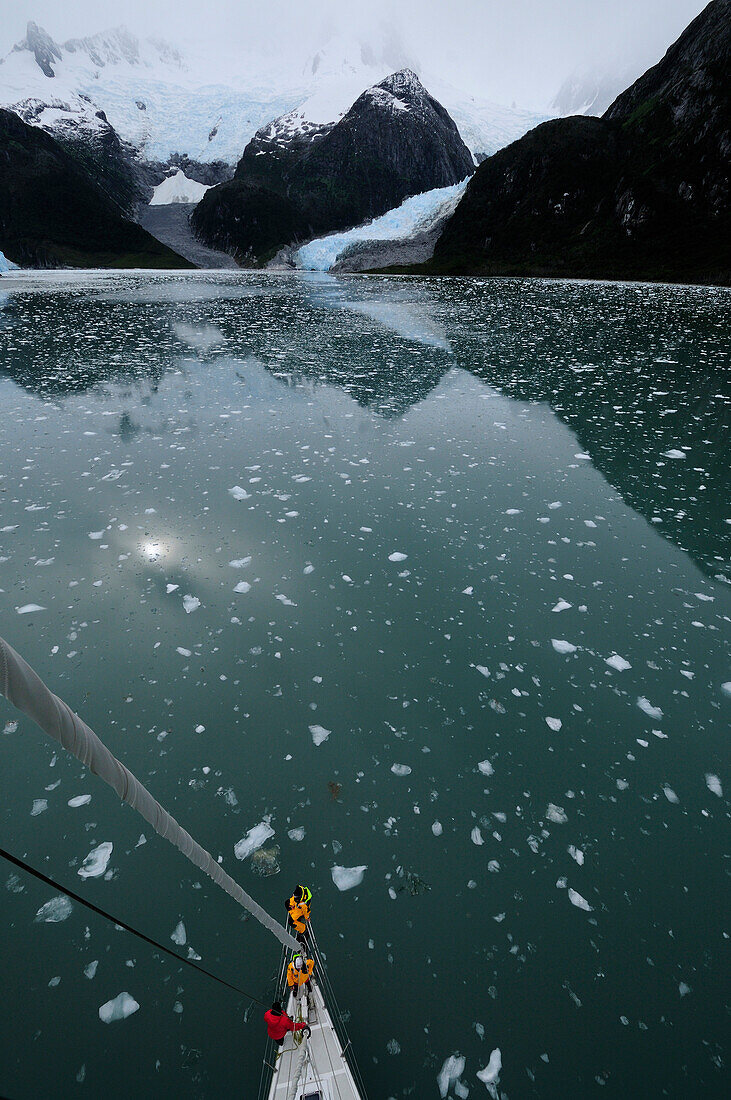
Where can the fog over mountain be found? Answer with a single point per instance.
(523, 52)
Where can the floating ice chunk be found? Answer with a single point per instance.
(486, 767)
(490, 1075)
(618, 663)
(319, 734)
(726, 688)
(483, 670)
(562, 646)
(581, 903)
(450, 1073)
(577, 854)
(437, 828)
(179, 934)
(54, 911)
(285, 600)
(90, 969)
(556, 814)
(297, 834)
(674, 453)
(562, 605)
(397, 556)
(122, 1006)
(714, 784)
(645, 705)
(96, 535)
(254, 839)
(476, 836)
(239, 563)
(28, 608)
(401, 769)
(171, 588)
(96, 862)
(39, 806)
(238, 493)
(345, 878)
(79, 800)
(670, 794)
(513, 511)
(493, 866)
(190, 603)
(184, 652)
(243, 586)
(554, 724)
(683, 989)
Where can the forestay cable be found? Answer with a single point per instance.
(24, 689)
(122, 924)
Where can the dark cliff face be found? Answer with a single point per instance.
(641, 193)
(395, 141)
(53, 214)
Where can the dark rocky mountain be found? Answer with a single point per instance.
(54, 214)
(641, 193)
(102, 153)
(296, 181)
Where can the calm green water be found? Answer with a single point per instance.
(453, 501)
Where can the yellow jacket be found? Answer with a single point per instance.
(299, 977)
(298, 914)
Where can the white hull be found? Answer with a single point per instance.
(316, 1069)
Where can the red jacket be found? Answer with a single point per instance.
(278, 1026)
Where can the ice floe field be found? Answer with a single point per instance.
(415, 591)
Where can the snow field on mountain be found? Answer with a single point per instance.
(178, 188)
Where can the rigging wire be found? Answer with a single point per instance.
(122, 924)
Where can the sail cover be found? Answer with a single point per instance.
(24, 689)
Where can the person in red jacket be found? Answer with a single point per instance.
(279, 1023)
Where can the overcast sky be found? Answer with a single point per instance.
(504, 49)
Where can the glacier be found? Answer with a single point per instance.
(416, 215)
(6, 264)
(163, 104)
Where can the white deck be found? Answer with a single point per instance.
(316, 1069)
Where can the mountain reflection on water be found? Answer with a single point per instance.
(639, 372)
(345, 559)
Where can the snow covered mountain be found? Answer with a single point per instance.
(297, 180)
(161, 103)
(589, 92)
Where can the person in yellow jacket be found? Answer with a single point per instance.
(298, 908)
(299, 973)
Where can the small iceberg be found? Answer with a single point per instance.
(255, 838)
(345, 878)
(54, 911)
(119, 1008)
(96, 862)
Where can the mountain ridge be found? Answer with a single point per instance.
(396, 140)
(640, 193)
(53, 214)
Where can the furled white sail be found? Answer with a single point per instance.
(25, 689)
